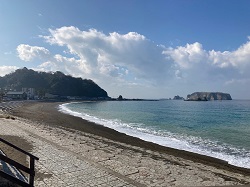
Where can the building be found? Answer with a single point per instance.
(16, 95)
(30, 92)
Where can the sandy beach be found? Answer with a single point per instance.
(75, 152)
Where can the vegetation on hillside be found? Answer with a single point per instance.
(54, 82)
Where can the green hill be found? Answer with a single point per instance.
(54, 82)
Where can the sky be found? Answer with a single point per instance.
(134, 48)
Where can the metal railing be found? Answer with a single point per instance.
(29, 170)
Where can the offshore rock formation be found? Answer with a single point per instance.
(208, 96)
(177, 97)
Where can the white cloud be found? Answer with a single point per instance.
(187, 56)
(105, 54)
(28, 53)
(178, 74)
(7, 69)
(192, 54)
(70, 66)
(198, 66)
(239, 58)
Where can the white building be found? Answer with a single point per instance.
(30, 92)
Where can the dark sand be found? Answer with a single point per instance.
(46, 113)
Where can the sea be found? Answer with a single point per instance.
(220, 129)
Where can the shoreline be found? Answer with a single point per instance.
(75, 152)
(175, 141)
(58, 119)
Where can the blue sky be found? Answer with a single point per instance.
(139, 49)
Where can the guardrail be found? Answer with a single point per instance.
(30, 170)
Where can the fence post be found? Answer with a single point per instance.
(32, 168)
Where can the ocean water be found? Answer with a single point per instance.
(220, 129)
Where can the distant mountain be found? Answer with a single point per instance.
(208, 96)
(54, 82)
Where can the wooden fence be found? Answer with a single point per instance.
(29, 170)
